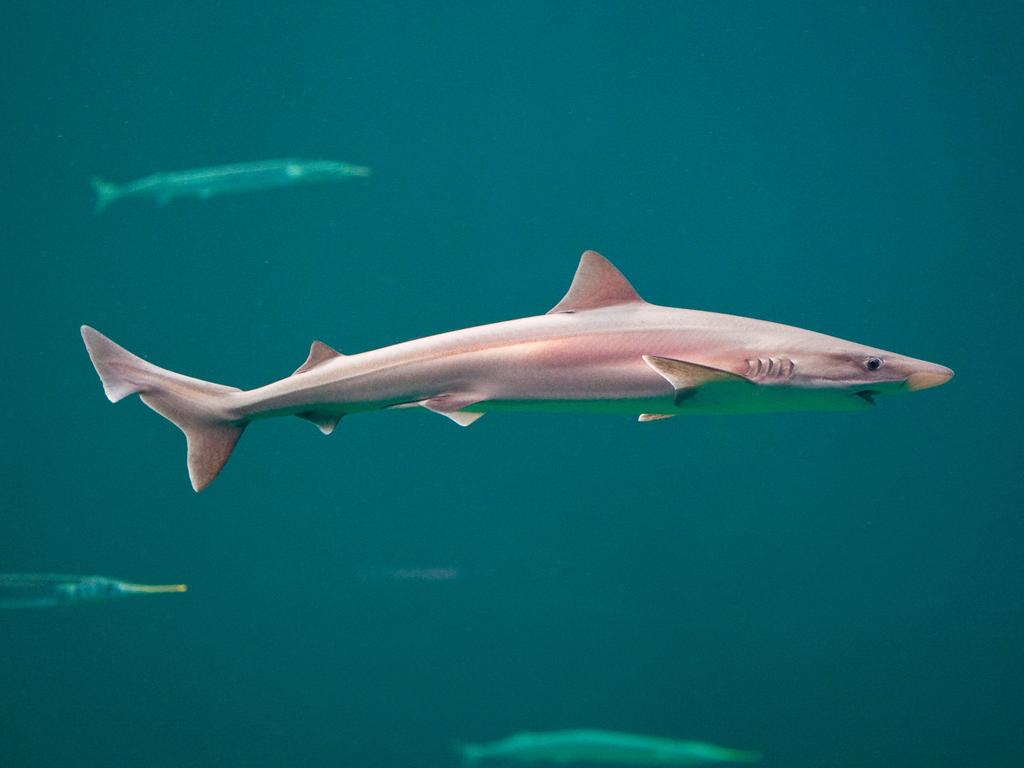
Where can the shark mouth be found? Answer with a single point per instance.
(868, 395)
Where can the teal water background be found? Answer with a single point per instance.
(832, 589)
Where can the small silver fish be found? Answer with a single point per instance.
(605, 747)
(47, 590)
(204, 183)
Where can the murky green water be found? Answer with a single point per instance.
(829, 589)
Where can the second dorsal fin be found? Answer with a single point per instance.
(318, 353)
(597, 284)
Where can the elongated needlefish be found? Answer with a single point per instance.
(602, 348)
(601, 747)
(204, 183)
(47, 590)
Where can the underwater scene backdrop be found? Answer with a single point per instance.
(829, 589)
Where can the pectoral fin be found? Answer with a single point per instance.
(687, 378)
(452, 405)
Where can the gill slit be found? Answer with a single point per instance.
(763, 368)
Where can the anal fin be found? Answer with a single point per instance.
(324, 420)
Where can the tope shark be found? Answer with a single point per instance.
(602, 348)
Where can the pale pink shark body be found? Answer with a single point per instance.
(602, 348)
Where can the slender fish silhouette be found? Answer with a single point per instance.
(47, 590)
(204, 183)
(601, 349)
(425, 575)
(601, 747)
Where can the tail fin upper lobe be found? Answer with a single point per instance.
(106, 193)
(195, 406)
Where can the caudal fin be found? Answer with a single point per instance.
(106, 193)
(469, 754)
(196, 407)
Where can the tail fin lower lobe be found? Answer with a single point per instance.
(195, 406)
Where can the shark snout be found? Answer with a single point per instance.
(934, 376)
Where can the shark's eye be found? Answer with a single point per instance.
(873, 363)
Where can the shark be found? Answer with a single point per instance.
(593, 747)
(204, 183)
(602, 348)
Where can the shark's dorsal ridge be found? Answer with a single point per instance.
(597, 284)
(318, 353)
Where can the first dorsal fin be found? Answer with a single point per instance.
(318, 353)
(597, 284)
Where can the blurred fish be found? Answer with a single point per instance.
(606, 747)
(601, 349)
(204, 183)
(46, 590)
(443, 573)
